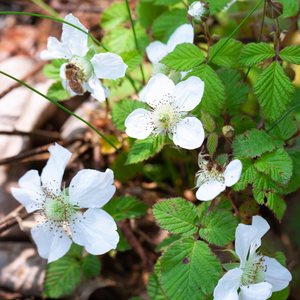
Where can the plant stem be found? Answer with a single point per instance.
(207, 40)
(47, 8)
(232, 34)
(237, 212)
(277, 39)
(135, 39)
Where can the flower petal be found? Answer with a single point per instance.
(189, 133)
(142, 93)
(108, 65)
(96, 231)
(258, 291)
(156, 51)
(53, 171)
(183, 34)
(55, 49)
(228, 285)
(98, 91)
(51, 245)
(233, 172)
(158, 86)
(91, 188)
(277, 275)
(75, 40)
(137, 124)
(210, 190)
(188, 93)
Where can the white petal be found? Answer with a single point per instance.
(55, 49)
(258, 291)
(189, 133)
(109, 65)
(142, 93)
(183, 34)
(233, 172)
(51, 245)
(137, 124)
(29, 193)
(228, 285)
(244, 236)
(91, 188)
(98, 91)
(96, 231)
(53, 171)
(189, 93)
(210, 190)
(156, 51)
(277, 275)
(158, 86)
(74, 39)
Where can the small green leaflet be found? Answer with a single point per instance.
(291, 54)
(90, 266)
(177, 216)
(281, 295)
(121, 172)
(184, 57)
(274, 91)
(132, 59)
(188, 265)
(213, 99)
(294, 182)
(254, 143)
(51, 71)
(208, 122)
(154, 289)
(216, 5)
(253, 54)
(218, 227)
(290, 8)
(228, 55)
(212, 144)
(57, 92)
(122, 109)
(167, 241)
(125, 207)
(143, 149)
(122, 245)
(242, 124)
(237, 92)
(114, 16)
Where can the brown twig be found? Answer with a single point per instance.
(36, 133)
(237, 212)
(212, 204)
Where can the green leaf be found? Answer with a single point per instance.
(218, 227)
(216, 6)
(122, 40)
(253, 54)
(212, 144)
(294, 182)
(90, 266)
(184, 57)
(208, 122)
(62, 276)
(274, 91)
(114, 16)
(51, 71)
(168, 22)
(177, 216)
(202, 209)
(75, 251)
(123, 172)
(228, 55)
(58, 62)
(284, 129)
(213, 99)
(237, 92)
(242, 124)
(132, 59)
(222, 159)
(165, 2)
(189, 267)
(167, 241)
(277, 164)
(57, 92)
(248, 209)
(281, 295)
(125, 207)
(143, 149)
(291, 54)
(231, 266)
(122, 245)
(254, 143)
(154, 289)
(122, 109)
(248, 174)
(290, 8)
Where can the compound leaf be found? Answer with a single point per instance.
(114, 16)
(291, 54)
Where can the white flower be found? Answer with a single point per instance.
(58, 209)
(199, 11)
(157, 50)
(171, 105)
(212, 178)
(258, 276)
(74, 47)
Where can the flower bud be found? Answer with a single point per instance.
(199, 12)
(274, 9)
(228, 131)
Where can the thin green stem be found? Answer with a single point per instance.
(232, 34)
(277, 39)
(289, 111)
(47, 8)
(135, 39)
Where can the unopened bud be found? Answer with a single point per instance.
(175, 76)
(274, 9)
(228, 131)
(199, 12)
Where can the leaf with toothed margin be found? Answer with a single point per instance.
(154, 289)
(212, 144)
(291, 54)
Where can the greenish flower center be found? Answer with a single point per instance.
(253, 270)
(84, 65)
